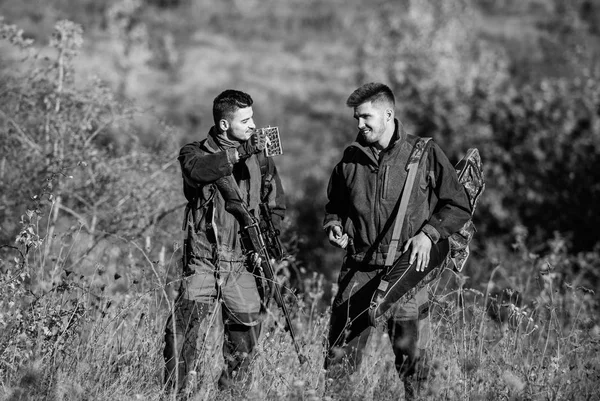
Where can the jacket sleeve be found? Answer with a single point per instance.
(275, 196)
(452, 209)
(199, 167)
(336, 209)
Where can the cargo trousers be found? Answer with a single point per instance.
(214, 322)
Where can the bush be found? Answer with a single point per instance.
(75, 196)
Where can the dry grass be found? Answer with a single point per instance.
(99, 336)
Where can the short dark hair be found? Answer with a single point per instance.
(228, 102)
(372, 92)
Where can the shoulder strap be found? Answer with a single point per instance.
(266, 176)
(412, 167)
(263, 162)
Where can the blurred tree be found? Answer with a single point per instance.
(544, 158)
(127, 26)
(539, 141)
(167, 3)
(71, 153)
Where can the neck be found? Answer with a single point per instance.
(386, 138)
(224, 140)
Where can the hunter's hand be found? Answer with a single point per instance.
(255, 144)
(421, 247)
(336, 238)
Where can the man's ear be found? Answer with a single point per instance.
(223, 125)
(389, 114)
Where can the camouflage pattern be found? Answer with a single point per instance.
(470, 175)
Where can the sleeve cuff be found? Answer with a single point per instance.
(431, 232)
(331, 223)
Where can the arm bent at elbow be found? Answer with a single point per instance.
(201, 167)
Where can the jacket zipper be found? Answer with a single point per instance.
(384, 188)
(375, 209)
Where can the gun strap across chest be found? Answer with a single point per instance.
(412, 167)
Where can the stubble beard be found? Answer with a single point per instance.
(240, 138)
(371, 136)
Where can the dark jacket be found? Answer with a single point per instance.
(202, 163)
(364, 195)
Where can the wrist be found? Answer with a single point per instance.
(330, 226)
(426, 235)
(431, 233)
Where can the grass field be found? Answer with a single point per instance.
(99, 336)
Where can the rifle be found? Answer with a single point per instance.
(253, 241)
(270, 233)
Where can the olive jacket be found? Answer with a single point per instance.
(364, 193)
(213, 230)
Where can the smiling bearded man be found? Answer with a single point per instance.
(364, 194)
(219, 303)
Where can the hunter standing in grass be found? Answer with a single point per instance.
(219, 302)
(364, 198)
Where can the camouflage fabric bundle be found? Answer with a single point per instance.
(400, 282)
(470, 175)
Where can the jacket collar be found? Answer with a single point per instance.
(398, 138)
(217, 141)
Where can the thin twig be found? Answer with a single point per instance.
(23, 137)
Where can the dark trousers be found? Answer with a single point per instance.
(350, 310)
(194, 334)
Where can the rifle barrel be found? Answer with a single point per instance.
(260, 247)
